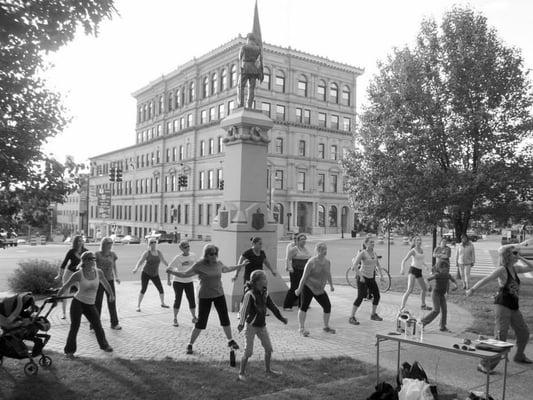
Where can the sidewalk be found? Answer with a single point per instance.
(150, 335)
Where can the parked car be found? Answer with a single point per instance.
(117, 237)
(161, 236)
(130, 239)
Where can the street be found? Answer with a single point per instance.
(340, 252)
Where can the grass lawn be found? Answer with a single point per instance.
(118, 379)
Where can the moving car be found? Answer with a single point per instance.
(161, 236)
(130, 239)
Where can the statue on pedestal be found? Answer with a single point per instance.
(251, 63)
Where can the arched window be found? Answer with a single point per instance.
(205, 88)
(334, 93)
(321, 216)
(346, 96)
(214, 81)
(191, 92)
(223, 80)
(266, 79)
(280, 81)
(233, 76)
(344, 218)
(332, 216)
(302, 85)
(177, 99)
(182, 101)
(277, 212)
(150, 109)
(321, 90)
(169, 105)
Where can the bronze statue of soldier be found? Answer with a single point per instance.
(251, 62)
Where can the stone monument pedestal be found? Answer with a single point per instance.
(244, 212)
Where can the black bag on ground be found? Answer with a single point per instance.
(384, 391)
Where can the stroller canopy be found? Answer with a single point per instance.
(13, 307)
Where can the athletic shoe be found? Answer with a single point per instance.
(303, 332)
(444, 329)
(194, 320)
(165, 306)
(70, 355)
(233, 345)
(107, 349)
(375, 317)
(273, 372)
(189, 349)
(175, 323)
(116, 327)
(425, 307)
(329, 330)
(522, 360)
(242, 378)
(353, 321)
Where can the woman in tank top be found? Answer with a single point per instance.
(317, 273)
(297, 257)
(506, 310)
(88, 278)
(415, 273)
(151, 259)
(366, 264)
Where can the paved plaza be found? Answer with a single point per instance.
(149, 335)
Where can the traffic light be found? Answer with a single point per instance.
(182, 180)
(118, 175)
(221, 184)
(112, 174)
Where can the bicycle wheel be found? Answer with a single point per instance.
(385, 282)
(351, 277)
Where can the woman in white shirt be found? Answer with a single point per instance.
(465, 258)
(181, 263)
(415, 273)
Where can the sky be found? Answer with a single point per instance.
(149, 38)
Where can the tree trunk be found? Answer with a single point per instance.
(434, 244)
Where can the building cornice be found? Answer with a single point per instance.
(239, 41)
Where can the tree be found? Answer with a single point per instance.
(445, 130)
(29, 112)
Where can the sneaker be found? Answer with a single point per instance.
(425, 307)
(375, 317)
(303, 332)
(189, 349)
(242, 378)
(288, 309)
(64, 317)
(70, 355)
(327, 329)
(233, 345)
(116, 327)
(353, 321)
(273, 372)
(138, 309)
(522, 360)
(483, 370)
(194, 320)
(165, 306)
(444, 329)
(175, 323)
(108, 349)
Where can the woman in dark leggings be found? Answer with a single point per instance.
(151, 259)
(297, 257)
(366, 263)
(209, 270)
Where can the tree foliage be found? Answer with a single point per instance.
(29, 112)
(444, 132)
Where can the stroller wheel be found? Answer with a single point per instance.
(31, 368)
(45, 361)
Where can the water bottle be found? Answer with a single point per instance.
(232, 358)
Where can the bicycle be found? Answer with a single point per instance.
(383, 281)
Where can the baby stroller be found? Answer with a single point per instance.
(20, 322)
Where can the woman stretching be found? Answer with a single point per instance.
(151, 259)
(181, 263)
(297, 257)
(256, 257)
(506, 310)
(415, 272)
(88, 278)
(366, 280)
(316, 274)
(209, 271)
